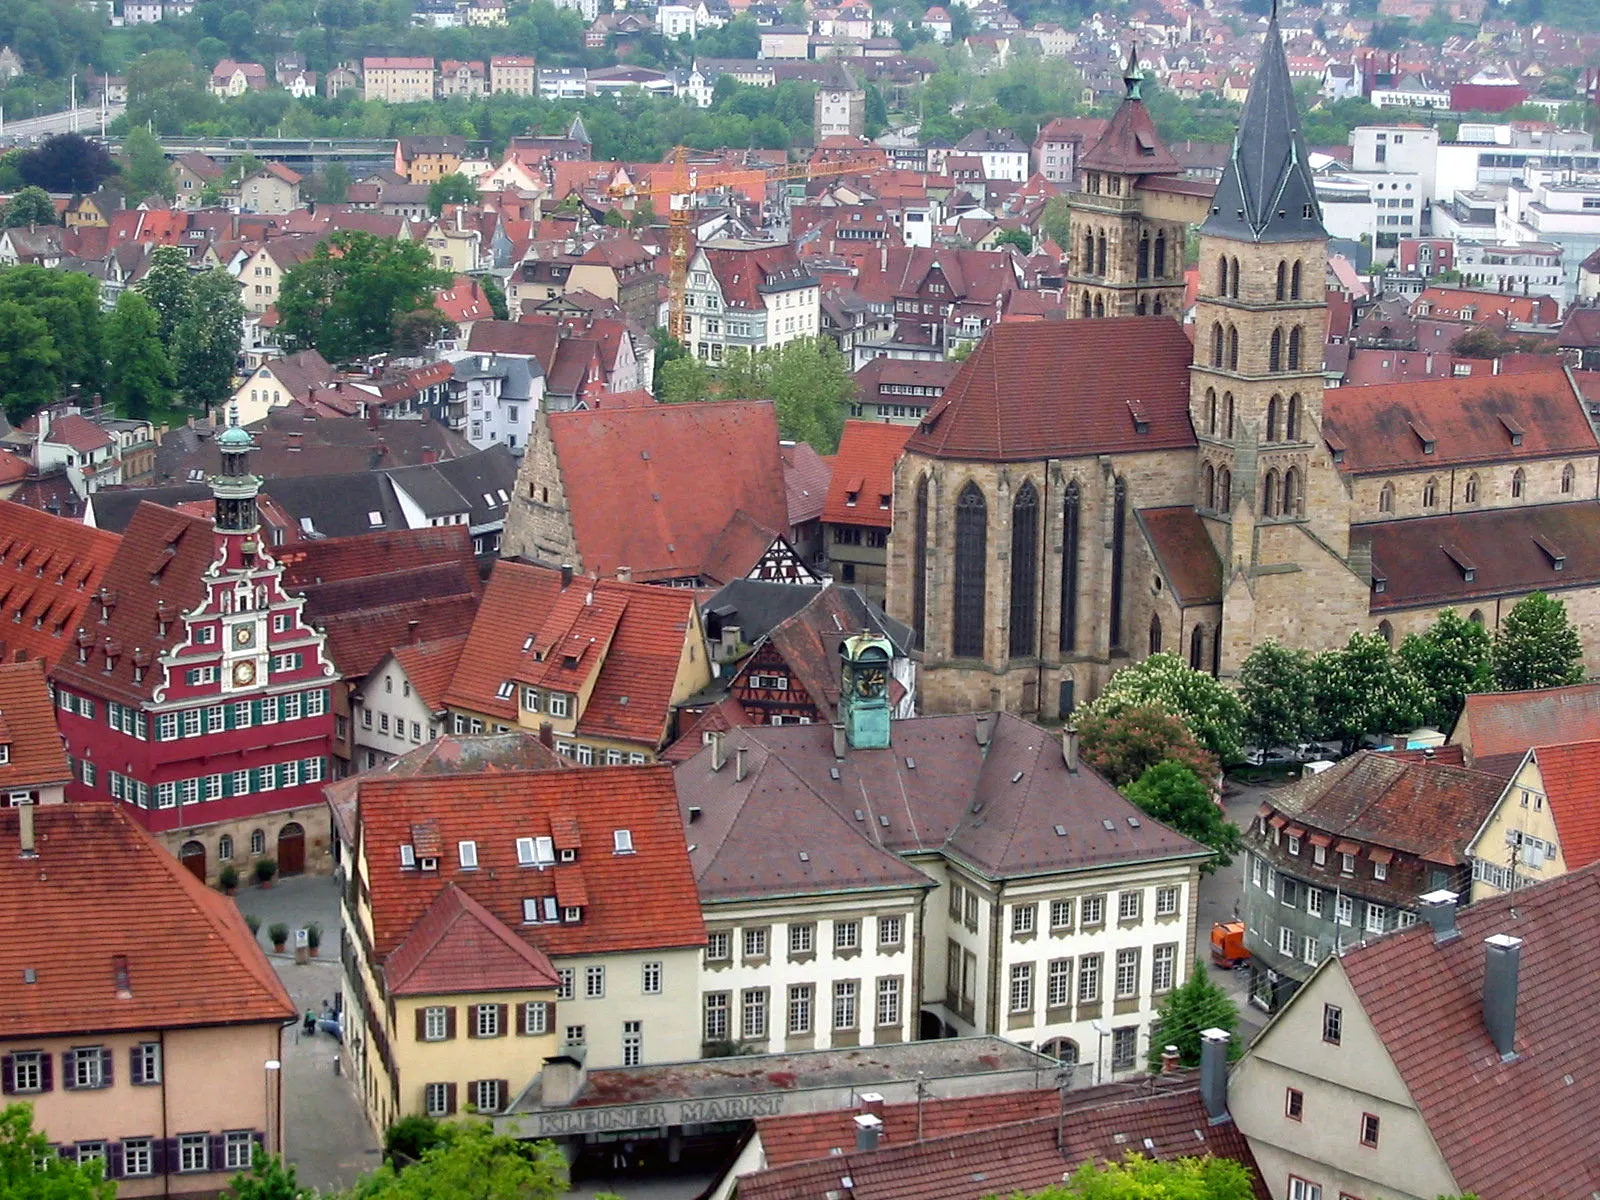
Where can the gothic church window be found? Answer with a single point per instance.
(1211, 410)
(1119, 531)
(1291, 423)
(1269, 494)
(1519, 484)
(1197, 647)
(1233, 351)
(1470, 491)
(1088, 253)
(1069, 567)
(1222, 276)
(1227, 406)
(1225, 490)
(1216, 344)
(1272, 419)
(1233, 281)
(1209, 488)
(1024, 571)
(1283, 280)
(972, 551)
(1099, 306)
(1430, 493)
(1159, 267)
(919, 569)
(1275, 351)
(1568, 477)
(1293, 499)
(1294, 282)
(1386, 499)
(1143, 261)
(1295, 338)
(1100, 255)
(1155, 634)
(1088, 308)
(1386, 632)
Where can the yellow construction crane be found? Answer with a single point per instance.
(680, 183)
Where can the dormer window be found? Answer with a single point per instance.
(5, 753)
(569, 855)
(572, 914)
(429, 863)
(506, 690)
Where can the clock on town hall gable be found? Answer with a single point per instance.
(864, 690)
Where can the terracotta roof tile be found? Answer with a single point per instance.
(805, 480)
(861, 491)
(457, 946)
(34, 752)
(430, 666)
(1185, 552)
(637, 901)
(358, 639)
(362, 556)
(101, 888)
(1061, 388)
(1130, 145)
(82, 434)
(1425, 1000)
(1571, 775)
(1500, 724)
(49, 568)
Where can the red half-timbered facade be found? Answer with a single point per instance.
(196, 695)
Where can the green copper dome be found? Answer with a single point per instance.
(234, 436)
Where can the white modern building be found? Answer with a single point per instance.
(746, 295)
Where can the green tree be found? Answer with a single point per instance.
(335, 183)
(1056, 222)
(30, 1168)
(29, 360)
(1020, 238)
(145, 169)
(344, 300)
(495, 295)
(1537, 646)
(1450, 659)
(1275, 689)
(169, 288)
(644, 214)
(30, 206)
(409, 1138)
(1210, 709)
(615, 219)
(68, 302)
(1189, 1010)
(1123, 745)
(66, 162)
(472, 1161)
(138, 371)
(450, 189)
(269, 1178)
(682, 380)
(1174, 795)
(1140, 1178)
(808, 381)
(1363, 688)
(206, 350)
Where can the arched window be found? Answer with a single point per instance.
(1568, 477)
(1233, 282)
(225, 847)
(1069, 566)
(1295, 337)
(1088, 307)
(1211, 409)
(919, 567)
(1216, 344)
(1283, 280)
(1227, 415)
(972, 561)
(1269, 494)
(1156, 307)
(1291, 419)
(1119, 532)
(1155, 634)
(1272, 420)
(1159, 266)
(1024, 572)
(1208, 488)
(258, 842)
(1139, 307)
(1386, 499)
(1225, 490)
(1197, 647)
(1470, 491)
(1430, 493)
(1476, 616)
(1233, 348)
(1294, 282)
(1063, 1050)
(1275, 351)
(1143, 262)
(1099, 306)
(1293, 493)
(1100, 255)
(1222, 275)
(1386, 632)
(1519, 484)
(1088, 252)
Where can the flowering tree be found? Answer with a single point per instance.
(1124, 745)
(1537, 647)
(1210, 710)
(1450, 659)
(1364, 688)
(1275, 689)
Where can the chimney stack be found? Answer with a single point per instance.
(1439, 910)
(718, 753)
(868, 1128)
(1214, 1073)
(25, 830)
(1502, 963)
(871, 1102)
(624, 574)
(1069, 747)
(566, 576)
(1169, 1059)
(985, 723)
(738, 764)
(838, 739)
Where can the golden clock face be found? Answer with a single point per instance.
(244, 674)
(869, 682)
(244, 636)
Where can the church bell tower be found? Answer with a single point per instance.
(864, 690)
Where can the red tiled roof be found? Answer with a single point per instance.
(360, 637)
(364, 555)
(862, 487)
(430, 666)
(1417, 424)
(1497, 724)
(101, 890)
(805, 480)
(49, 568)
(82, 434)
(1185, 552)
(725, 714)
(459, 946)
(802, 1137)
(1065, 388)
(1130, 145)
(1571, 775)
(737, 549)
(28, 728)
(744, 275)
(1425, 1001)
(652, 488)
(639, 901)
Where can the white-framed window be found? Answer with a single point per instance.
(1163, 967)
(1020, 993)
(86, 1067)
(1286, 942)
(1127, 980)
(891, 931)
(145, 1061)
(1347, 864)
(753, 1014)
(594, 982)
(564, 983)
(486, 1095)
(889, 1007)
(1092, 910)
(1314, 901)
(1376, 914)
(1088, 978)
(27, 1071)
(716, 1017)
(1311, 952)
(800, 1008)
(435, 1024)
(436, 1099)
(1060, 915)
(846, 993)
(1166, 901)
(1294, 844)
(802, 938)
(486, 1020)
(1304, 1189)
(847, 935)
(1319, 855)
(1256, 868)
(558, 704)
(192, 1152)
(1380, 870)
(1130, 905)
(238, 1149)
(467, 854)
(258, 839)
(535, 1018)
(718, 946)
(1344, 911)
(622, 841)
(632, 1043)
(137, 1158)
(1023, 917)
(650, 978)
(755, 943)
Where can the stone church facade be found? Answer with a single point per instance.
(1089, 492)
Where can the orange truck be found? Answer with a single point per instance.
(1227, 944)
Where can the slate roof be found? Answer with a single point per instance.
(310, 565)
(1477, 419)
(862, 488)
(359, 637)
(1065, 389)
(653, 488)
(49, 568)
(457, 946)
(639, 901)
(758, 606)
(1571, 775)
(920, 795)
(1130, 145)
(102, 892)
(1425, 1001)
(1509, 551)
(35, 754)
(1184, 552)
(1267, 188)
(486, 479)
(1500, 727)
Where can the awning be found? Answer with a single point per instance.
(1380, 856)
(1348, 848)
(1321, 839)
(1294, 831)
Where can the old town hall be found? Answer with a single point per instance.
(1092, 491)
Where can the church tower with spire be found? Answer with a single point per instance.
(1129, 218)
(1267, 487)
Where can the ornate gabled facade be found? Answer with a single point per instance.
(197, 695)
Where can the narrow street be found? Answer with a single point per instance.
(1219, 897)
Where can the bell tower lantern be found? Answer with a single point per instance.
(864, 690)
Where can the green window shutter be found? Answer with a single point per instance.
(255, 712)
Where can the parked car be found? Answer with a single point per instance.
(1320, 751)
(1277, 756)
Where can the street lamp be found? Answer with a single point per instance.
(1100, 1049)
(273, 1080)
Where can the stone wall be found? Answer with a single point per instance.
(539, 521)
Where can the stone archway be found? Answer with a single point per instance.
(291, 849)
(193, 856)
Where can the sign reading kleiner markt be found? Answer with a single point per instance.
(619, 1118)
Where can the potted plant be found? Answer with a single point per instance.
(254, 922)
(313, 938)
(279, 933)
(228, 877)
(266, 868)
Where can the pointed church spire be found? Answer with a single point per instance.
(1132, 77)
(1130, 144)
(1266, 193)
